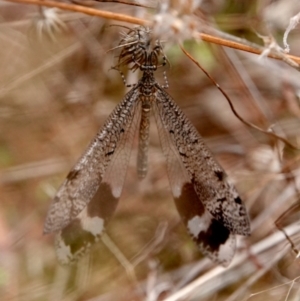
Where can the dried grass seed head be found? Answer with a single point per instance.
(48, 23)
(175, 20)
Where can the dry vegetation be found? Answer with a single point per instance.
(56, 90)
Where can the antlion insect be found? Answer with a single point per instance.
(208, 204)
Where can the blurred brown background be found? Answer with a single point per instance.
(57, 89)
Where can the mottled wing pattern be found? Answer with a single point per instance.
(89, 195)
(207, 203)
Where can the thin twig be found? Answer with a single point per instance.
(280, 228)
(233, 109)
(269, 247)
(125, 18)
(259, 50)
(83, 9)
(129, 268)
(83, 2)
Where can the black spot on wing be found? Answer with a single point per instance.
(103, 204)
(73, 174)
(188, 203)
(238, 200)
(219, 174)
(215, 236)
(110, 153)
(75, 237)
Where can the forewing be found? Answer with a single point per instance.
(82, 183)
(211, 236)
(209, 180)
(83, 231)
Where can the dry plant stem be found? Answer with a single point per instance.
(269, 247)
(246, 48)
(250, 92)
(294, 207)
(83, 9)
(291, 60)
(124, 2)
(129, 268)
(156, 242)
(233, 109)
(84, 3)
(292, 282)
(280, 228)
(35, 72)
(37, 169)
(242, 290)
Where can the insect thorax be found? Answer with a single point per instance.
(147, 84)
